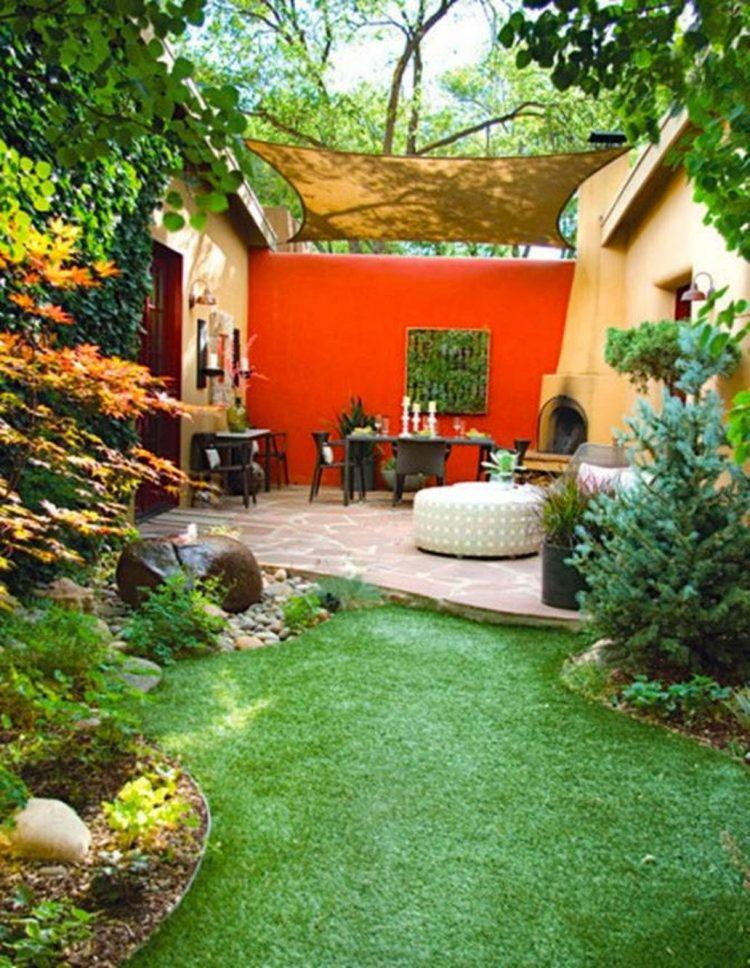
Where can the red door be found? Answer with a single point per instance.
(161, 352)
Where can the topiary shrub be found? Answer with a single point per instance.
(652, 351)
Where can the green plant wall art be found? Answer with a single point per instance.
(449, 366)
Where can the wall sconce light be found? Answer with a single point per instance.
(694, 293)
(200, 294)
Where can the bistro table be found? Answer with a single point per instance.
(484, 443)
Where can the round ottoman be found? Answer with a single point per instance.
(478, 520)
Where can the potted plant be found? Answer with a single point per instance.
(412, 482)
(500, 467)
(351, 420)
(563, 511)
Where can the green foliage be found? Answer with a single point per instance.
(145, 808)
(449, 366)
(54, 642)
(14, 795)
(356, 416)
(699, 698)
(301, 611)
(39, 936)
(564, 510)
(347, 593)
(175, 620)
(669, 569)
(589, 679)
(738, 704)
(130, 87)
(501, 464)
(646, 352)
(675, 54)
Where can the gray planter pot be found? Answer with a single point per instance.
(561, 582)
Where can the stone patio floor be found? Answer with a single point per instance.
(373, 540)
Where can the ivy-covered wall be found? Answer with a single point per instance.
(112, 200)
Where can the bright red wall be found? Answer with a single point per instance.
(333, 326)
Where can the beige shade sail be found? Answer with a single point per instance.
(510, 201)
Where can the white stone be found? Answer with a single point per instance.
(49, 830)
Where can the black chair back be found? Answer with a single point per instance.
(424, 457)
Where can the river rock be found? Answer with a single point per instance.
(69, 594)
(49, 830)
(142, 674)
(147, 562)
(245, 642)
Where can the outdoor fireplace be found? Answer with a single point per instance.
(562, 426)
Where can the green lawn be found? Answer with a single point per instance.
(407, 788)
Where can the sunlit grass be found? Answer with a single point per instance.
(405, 788)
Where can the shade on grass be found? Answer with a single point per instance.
(406, 788)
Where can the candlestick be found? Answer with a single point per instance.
(415, 419)
(405, 418)
(432, 424)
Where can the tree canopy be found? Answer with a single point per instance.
(651, 56)
(285, 56)
(134, 87)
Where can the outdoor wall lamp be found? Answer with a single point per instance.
(200, 294)
(694, 293)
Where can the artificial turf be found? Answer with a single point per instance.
(405, 788)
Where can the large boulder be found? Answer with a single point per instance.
(49, 830)
(145, 563)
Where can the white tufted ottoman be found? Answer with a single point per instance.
(478, 520)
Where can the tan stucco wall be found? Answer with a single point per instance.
(218, 256)
(660, 244)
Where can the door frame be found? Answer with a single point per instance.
(172, 263)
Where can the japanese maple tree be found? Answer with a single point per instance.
(51, 394)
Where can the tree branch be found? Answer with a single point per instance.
(519, 112)
(288, 129)
(412, 42)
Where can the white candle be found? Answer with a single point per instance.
(212, 362)
(405, 402)
(415, 407)
(245, 364)
(432, 406)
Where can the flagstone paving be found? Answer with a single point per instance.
(371, 539)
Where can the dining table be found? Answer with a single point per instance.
(468, 440)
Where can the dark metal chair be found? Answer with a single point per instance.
(273, 451)
(419, 457)
(229, 464)
(325, 460)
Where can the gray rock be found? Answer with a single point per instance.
(142, 674)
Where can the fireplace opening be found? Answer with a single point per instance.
(562, 426)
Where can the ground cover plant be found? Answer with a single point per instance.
(400, 787)
(175, 619)
(65, 734)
